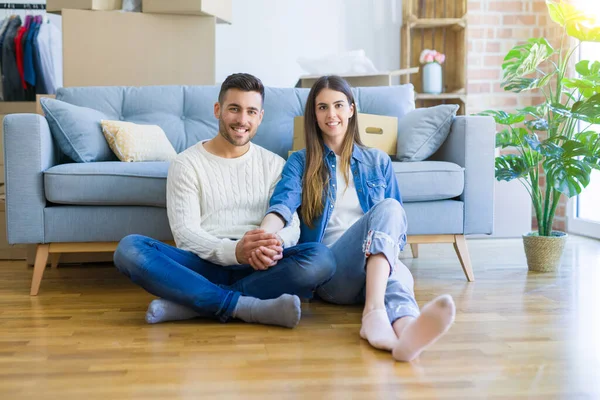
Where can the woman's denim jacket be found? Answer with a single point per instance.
(373, 177)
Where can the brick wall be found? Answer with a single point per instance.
(495, 26)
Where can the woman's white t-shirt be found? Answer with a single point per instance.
(346, 210)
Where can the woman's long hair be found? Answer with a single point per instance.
(316, 174)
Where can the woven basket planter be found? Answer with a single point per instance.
(544, 253)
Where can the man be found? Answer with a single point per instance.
(217, 195)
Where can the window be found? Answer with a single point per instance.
(583, 215)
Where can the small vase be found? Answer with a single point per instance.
(432, 78)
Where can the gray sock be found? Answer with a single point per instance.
(283, 311)
(161, 310)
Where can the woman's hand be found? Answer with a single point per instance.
(264, 258)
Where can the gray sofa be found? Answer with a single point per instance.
(63, 206)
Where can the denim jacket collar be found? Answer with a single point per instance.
(357, 153)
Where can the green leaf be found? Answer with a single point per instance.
(523, 60)
(591, 140)
(518, 85)
(578, 24)
(538, 111)
(584, 30)
(574, 148)
(511, 166)
(581, 83)
(510, 137)
(567, 175)
(540, 124)
(557, 11)
(503, 118)
(587, 68)
(588, 110)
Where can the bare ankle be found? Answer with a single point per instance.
(373, 306)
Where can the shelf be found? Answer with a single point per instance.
(429, 23)
(460, 94)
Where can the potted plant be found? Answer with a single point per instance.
(556, 138)
(432, 62)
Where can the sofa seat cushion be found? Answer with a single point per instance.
(429, 180)
(108, 183)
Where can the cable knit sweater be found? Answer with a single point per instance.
(213, 201)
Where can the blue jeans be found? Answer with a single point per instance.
(379, 231)
(213, 290)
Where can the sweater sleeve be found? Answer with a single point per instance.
(185, 218)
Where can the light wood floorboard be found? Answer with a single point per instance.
(517, 335)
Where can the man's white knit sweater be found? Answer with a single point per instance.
(213, 201)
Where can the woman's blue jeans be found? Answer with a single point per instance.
(213, 290)
(379, 231)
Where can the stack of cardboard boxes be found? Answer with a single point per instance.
(169, 43)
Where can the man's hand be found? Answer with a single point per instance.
(251, 241)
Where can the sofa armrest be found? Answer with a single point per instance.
(471, 145)
(28, 152)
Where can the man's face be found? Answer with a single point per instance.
(239, 116)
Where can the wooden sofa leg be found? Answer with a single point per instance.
(414, 249)
(460, 246)
(54, 260)
(41, 258)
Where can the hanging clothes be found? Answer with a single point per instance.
(30, 58)
(3, 27)
(49, 41)
(41, 87)
(11, 79)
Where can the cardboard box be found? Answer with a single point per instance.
(378, 131)
(379, 79)
(136, 49)
(221, 9)
(57, 6)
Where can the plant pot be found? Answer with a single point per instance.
(432, 78)
(544, 253)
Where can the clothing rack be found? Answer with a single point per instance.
(22, 6)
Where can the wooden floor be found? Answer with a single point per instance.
(517, 335)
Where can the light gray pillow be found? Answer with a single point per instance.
(421, 132)
(77, 131)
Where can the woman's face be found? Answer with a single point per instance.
(333, 112)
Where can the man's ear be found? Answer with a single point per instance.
(261, 115)
(217, 110)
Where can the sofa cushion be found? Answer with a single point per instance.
(144, 183)
(134, 142)
(429, 180)
(185, 113)
(421, 132)
(108, 183)
(77, 131)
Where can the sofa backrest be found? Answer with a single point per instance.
(185, 113)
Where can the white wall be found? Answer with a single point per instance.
(268, 36)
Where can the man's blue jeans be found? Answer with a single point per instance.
(213, 290)
(379, 231)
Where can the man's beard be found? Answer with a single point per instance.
(224, 131)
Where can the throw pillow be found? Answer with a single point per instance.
(132, 142)
(77, 131)
(421, 132)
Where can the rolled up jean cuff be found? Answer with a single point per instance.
(225, 313)
(378, 242)
(401, 312)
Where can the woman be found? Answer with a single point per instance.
(351, 202)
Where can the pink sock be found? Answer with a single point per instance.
(376, 328)
(435, 319)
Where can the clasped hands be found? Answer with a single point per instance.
(260, 249)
